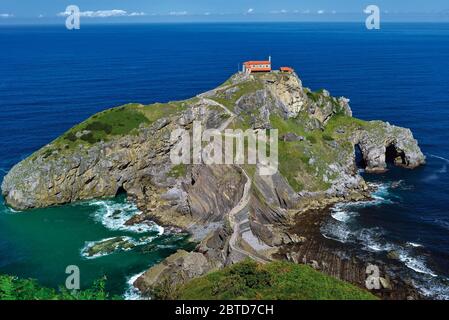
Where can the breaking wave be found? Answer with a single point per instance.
(132, 293)
(432, 287)
(414, 245)
(114, 215)
(343, 227)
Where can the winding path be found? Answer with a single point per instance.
(236, 224)
(232, 115)
(241, 207)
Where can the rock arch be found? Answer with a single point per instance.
(388, 145)
(394, 155)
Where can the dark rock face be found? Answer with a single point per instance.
(291, 137)
(215, 191)
(257, 106)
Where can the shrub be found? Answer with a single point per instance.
(167, 289)
(99, 126)
(70, 136)
(48, 152)
(312, 139)
(233, 284)
(13, 288)
(89, 137)
(251, 275)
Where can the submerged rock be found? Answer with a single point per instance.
(108, 246)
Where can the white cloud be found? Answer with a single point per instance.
(6, 15)
(178, 13)
(40, 16)
(320, 11)
(250, 10)
(137, 14)
(207, 13)
(283, 11)
(104, 14)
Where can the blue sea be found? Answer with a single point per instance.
(52, 78)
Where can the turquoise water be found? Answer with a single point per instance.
(41, 243)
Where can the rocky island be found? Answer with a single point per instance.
(231, 211)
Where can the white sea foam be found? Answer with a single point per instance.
(414, 244)
(340, 213)
(372, 240)
(343, 229)
(8, 210)
(415, 263)
(442, 170)
(337, 231)
(441, 158)
(114, 215)
(433, 287)
(132, 293)
(442, 223)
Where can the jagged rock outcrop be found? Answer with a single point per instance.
(382, 142)
(174, 270)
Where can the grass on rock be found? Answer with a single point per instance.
(272, 281)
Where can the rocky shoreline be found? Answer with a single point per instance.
(342, 261)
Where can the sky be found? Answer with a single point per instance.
(107, 11)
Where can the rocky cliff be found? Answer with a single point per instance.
(230, 210)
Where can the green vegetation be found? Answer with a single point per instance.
(178, 171)
(303, 163)
(344, 123)
(275, 280)
(13, 288)
(105, 125)
(111, 122)
(229, 96)
(157, 111)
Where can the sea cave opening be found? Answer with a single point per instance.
(394, 156)
(120, 191)
(359, 160)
